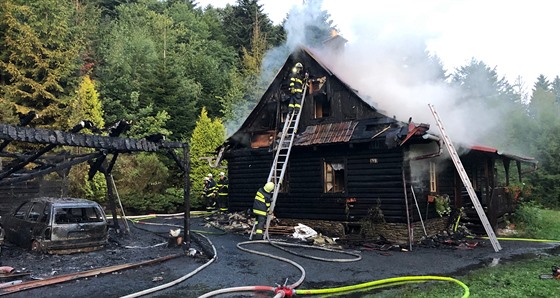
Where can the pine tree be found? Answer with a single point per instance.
(542, 82)
(38, 55)
(555, 87)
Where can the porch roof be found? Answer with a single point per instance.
(497, 152)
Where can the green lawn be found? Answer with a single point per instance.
(512, 279)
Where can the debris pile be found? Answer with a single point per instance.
(461, 238)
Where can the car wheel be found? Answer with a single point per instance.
(36, 247)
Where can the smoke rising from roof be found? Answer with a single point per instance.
(387, 61)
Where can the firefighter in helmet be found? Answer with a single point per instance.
(297, 78)
(261, 206)
(222, 185)
(210, 192)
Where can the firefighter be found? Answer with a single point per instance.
(261, 206)
(297, 79)
(223, 185)
(210, 192)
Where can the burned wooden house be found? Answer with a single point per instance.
(349, 159)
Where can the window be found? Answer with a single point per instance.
(433, 177)
(77, 215)
(322, 106)
(35, 212)
(334, 176)
(21, 212)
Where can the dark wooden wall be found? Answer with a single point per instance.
(12, 195)
(371, 175)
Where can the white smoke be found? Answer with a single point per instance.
(386, 61)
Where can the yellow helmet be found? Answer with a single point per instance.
(269, 186)
(299, 65)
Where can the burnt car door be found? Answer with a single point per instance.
(18, 231)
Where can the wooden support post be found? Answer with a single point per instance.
(186, 185)
(409, 226)
(111, 200)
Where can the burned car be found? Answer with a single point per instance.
(57, 225)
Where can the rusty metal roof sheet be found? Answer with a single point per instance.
(340, 132)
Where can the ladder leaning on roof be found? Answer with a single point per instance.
(280, 162)
(466, 182)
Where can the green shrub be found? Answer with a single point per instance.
(170, 201)
(528, 218)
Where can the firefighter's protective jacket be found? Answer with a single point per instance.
(222, 186)
(262, 202)
(296, 84)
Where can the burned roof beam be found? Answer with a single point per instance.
(21, 165)
(58, 167)
(24, 119)
(56, 137)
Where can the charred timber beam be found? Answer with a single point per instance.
(25, 162)
(95, 166)
(60, 138)
(185, 165)
(24, 119)
(62, 166)
(73, 276)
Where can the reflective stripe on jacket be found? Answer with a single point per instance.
(222, 186)
(296, 83)
(262, 202)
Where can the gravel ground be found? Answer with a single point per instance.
(234, 267)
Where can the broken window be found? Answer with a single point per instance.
(433, 177)
(21, 212)
(322, 106)
(334, 176)
(35, 212)
(77, 215)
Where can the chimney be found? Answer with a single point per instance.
(335, 43)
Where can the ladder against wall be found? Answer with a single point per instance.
(282, 156)
(466, 182)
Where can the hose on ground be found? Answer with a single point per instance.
(387, 282)
(179, 280)
(280, 292)
(517, 239)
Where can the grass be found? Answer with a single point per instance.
(512, 279)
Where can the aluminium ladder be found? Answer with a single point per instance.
(466, 182)
(280, 162)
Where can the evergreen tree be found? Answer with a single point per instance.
(309, 26)
(86, 105)
(235, 104)
(238, 23)
(556, 88)
(479, 82)
(38, 56)
(207, 136)
(542, 82)
(544, 139)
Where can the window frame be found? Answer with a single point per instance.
(342, 178)
(433, 177)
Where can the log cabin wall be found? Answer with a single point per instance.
(370, 176)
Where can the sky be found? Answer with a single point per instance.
(515, 37)
(384, 57)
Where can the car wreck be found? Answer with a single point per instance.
(57, 225)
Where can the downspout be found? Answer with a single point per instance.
(436, 139)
